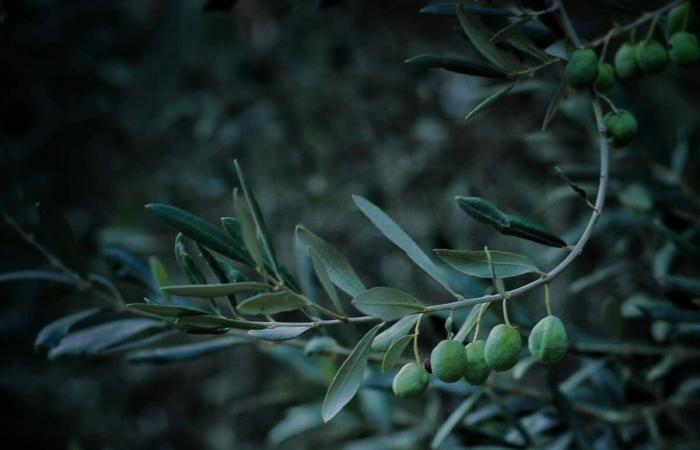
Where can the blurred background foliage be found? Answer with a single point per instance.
(107, 106)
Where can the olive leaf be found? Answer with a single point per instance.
(393, 354)
(93, 340)
(387, 303)
(214, 290)
(479, 35)
(470, 322)
(51, 334)
(279, 333)
(392, 231)
(508, 224)
(454, 418)
(490, 99)
(450, 9)
(387, 337)
(272, 303)
(348, 379)
(160, 275)
(248, 230)
(166, 310)
(216, 322)
(510, 29)
(325, 280)
(475, 263)
(189, 268)
(201, 231)
(553, 106)
(337, 266)
(185, 352)
(257, 218)
(457, 65)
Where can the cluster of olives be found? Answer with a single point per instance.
(631, 60)
(450, 361)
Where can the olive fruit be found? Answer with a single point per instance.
(548, 341)
(651, 56)
(502, 347)
(606, 77)
(679, 16)
(410, 381)
(582, 68)
(685, 48)
(622, 127)
(626, 62)
(448, 360)
(477, 370)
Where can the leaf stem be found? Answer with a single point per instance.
(416, 334)
(547, 299)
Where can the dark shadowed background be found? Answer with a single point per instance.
(107, 106)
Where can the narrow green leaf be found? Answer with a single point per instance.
(215, 290)
(526, 229)
(469, 323)
(454, 418)
(483, 211)
(479, 35)
(185, 352)
(257, 218)
(348, 379)
(160, 275)
(272, 303)
(248, 231)
(279, 333)
(51, 334)
(190, 269)
(457, 65)
(387, 303)
(387, 337)
(523, 43)
(490, 99)
(337, 266)
(216, 322)
(553, 107)
(449, 9)
(475, 263)
(392, 231)
(201, 231)
(510, 29)
(393, 355)
(93, 340)
(325, 281)
(166, 310)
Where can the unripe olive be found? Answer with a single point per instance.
(502, 347)
(548, 341)
(626, 62)
(448, 360)
(582, 68)
(477, 370)
(622, 127)
(680, 15)
(685, 48)
(410, 381)
(606, 77)
(651, 56)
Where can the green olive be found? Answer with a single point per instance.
(477, 370)
(548, 341)
(502, 347)
(622, 127)
(680, 18)
(626, 62)
(448, 360)
(582, 68)
(685, 48)
(651, 56)
(606, 77)
(410, 381)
